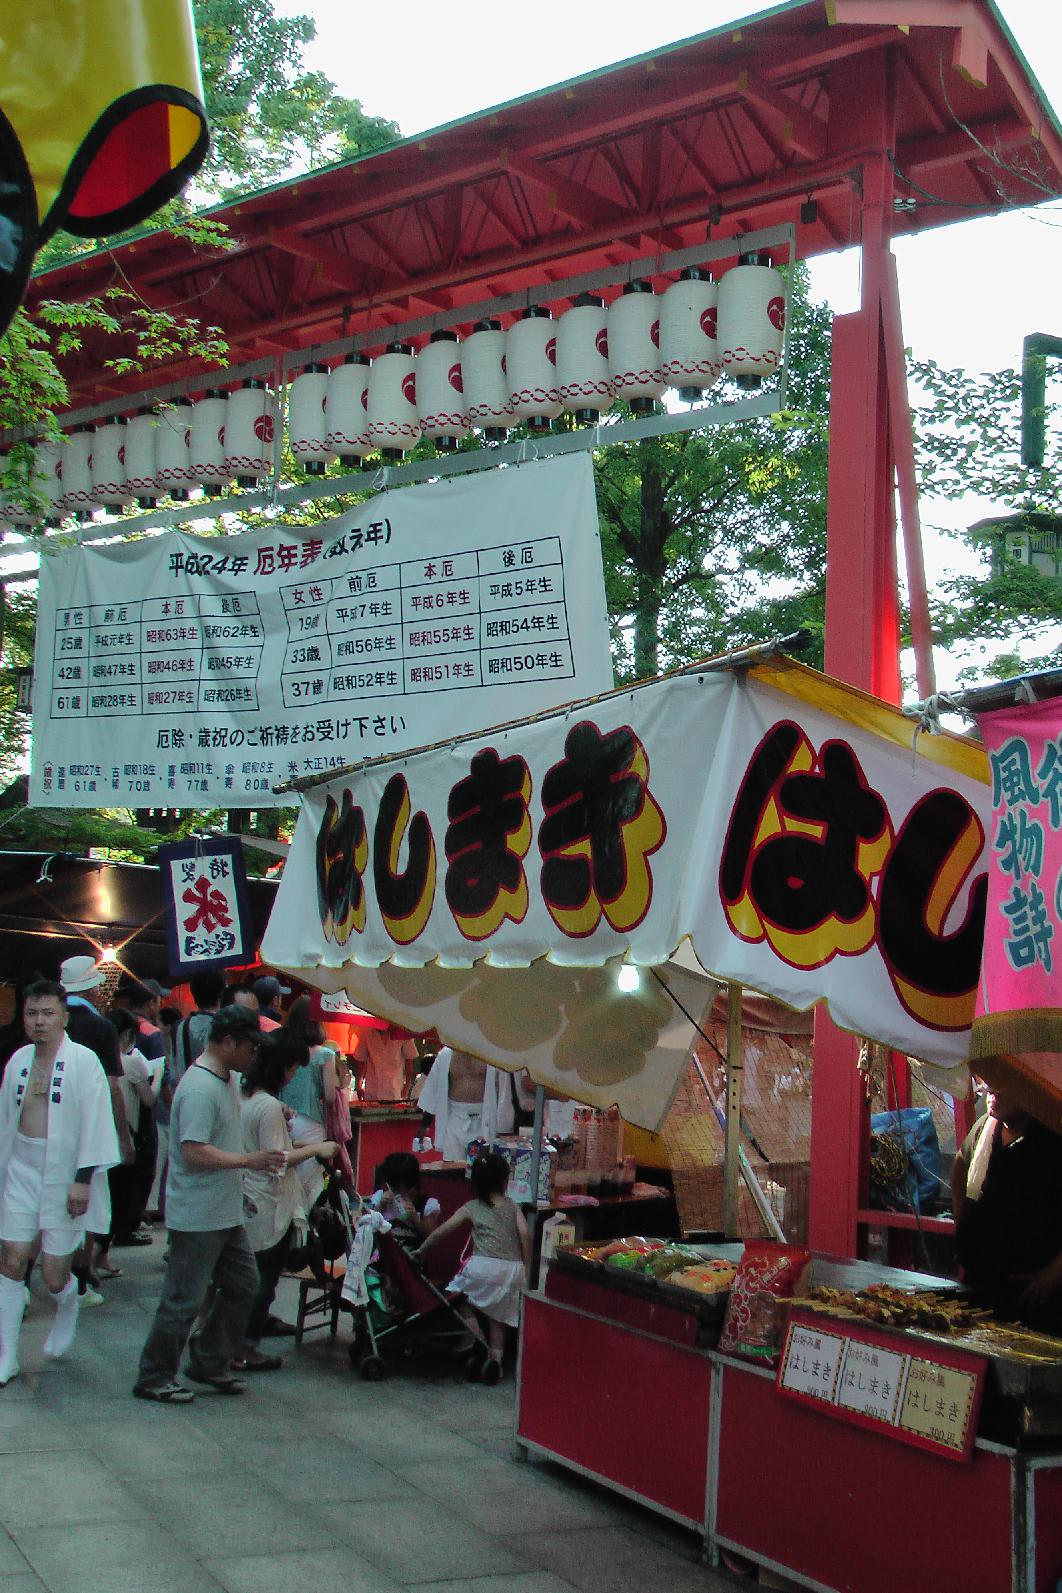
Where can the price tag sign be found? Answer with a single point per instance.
(871, 1380)
(812, 1363)
(937, 1403)
(868, 1376)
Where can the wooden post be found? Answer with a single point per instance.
(735, 1062)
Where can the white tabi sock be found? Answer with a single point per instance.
(12, 1308)
(64, 1327)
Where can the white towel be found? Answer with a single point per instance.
(355, 1289)
(982, 1155)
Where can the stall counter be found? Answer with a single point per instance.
(633, 1393)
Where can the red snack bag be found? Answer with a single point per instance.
(768, 1276)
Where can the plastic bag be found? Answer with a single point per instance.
(767, 1278)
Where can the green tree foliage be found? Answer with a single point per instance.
(968, 442)
(715, 539)
(268, 114)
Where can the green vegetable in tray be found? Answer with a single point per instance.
(630, 1260)
(663, 1262)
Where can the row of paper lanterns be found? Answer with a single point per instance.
(632, 350)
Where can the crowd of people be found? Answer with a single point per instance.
(117, 1114)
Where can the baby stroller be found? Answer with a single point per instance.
(394, 1304)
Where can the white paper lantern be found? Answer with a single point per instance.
(173, 457)
(48, 479)
(689, 350)
(486, 381)
(109, 485)
(634, 347)
(141, 463)
(440, 392)
(584, 380)
(307, 422)
(751, 319)
(394, 424)
(250, 427)
(347, 411)
(77, 472)
(17, 502)
(207, 443)
(531, 362)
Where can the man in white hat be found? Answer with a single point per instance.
(82, 980)
(57, 1140)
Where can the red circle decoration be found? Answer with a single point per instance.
(776, 313)
(409, 387)
(221, 435)
(601, 341)
(121, 453)
(456, 379)
(709, 321)
(551, 350)
(263, 428)
(654, 334)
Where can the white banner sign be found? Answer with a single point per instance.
(778, 822)
(187, 671)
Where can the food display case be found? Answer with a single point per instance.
(800, 1469)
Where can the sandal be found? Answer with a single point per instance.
(165, 1394)
(258, 1363)
(107, 1271)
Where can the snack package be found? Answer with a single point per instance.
(768, 1277)
(707, 1277)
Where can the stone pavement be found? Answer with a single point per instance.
(312, 1480)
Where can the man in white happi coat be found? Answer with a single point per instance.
(57, 1140)
(468, 1099)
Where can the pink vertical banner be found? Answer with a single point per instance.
(1019, 1000)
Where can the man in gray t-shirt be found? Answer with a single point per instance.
(204, 1215)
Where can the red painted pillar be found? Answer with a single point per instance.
(862, 634)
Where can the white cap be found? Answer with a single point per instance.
(79, 973)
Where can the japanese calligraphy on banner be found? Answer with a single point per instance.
(192, 671)
(204, 886)
(1019, 1006)
(773, 828)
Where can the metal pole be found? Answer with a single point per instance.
(536, 1167)
(735, 1061)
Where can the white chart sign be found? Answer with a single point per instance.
(195, 671)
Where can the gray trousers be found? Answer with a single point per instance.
(223, 1259)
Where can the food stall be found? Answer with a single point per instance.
(599, 982)
(799, 1467)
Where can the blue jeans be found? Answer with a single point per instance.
(221, 1258)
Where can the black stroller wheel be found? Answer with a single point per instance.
(372, 1369)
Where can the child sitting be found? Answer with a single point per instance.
(400, 1200)
(492, 1279)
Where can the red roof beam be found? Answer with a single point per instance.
(800, 129)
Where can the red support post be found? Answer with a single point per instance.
(862, 635)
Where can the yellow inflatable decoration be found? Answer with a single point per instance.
(101, 120)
